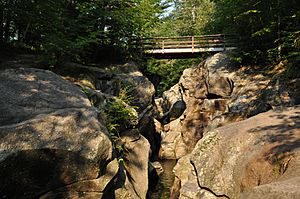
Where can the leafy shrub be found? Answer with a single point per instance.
(118, 116)
(169, 70)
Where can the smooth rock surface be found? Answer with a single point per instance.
(255, 158)
(28, 92)
(83, 188)
(121, 80)
(50, 136)
(135, 166)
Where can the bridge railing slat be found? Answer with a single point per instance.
(192, 42)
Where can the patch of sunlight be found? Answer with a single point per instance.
(30, 77)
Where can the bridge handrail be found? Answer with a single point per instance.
(202, 41)
(199, 36)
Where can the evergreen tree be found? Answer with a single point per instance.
(268, 30)
(76, 28)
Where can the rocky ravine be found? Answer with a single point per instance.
(55, 143)
(197, 103)
(254, 158)
(214, 93)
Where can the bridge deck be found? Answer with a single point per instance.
(188, 44)
(189, 50)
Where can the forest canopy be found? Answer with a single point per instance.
(266, 30)
(76, 28)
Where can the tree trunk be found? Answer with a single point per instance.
(6, 28)
(278, 31)
(194, 14)
(1, 25)
(19, 33)
(26, 30)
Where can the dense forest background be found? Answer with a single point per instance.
(92, 30)
(77, 29)
(267, 31)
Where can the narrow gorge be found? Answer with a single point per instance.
(89, 132)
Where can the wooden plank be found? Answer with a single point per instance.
(180, 37)
(189, 50)
(191, 44)
(195, 45)
(184, 42)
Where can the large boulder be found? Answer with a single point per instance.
(133, 174)
(50, 136)
(139, 88)
(257, 89)
(82, 189)
(26, 93)
(121, 80)
(255, 158)
(193, 82)
(220, 81)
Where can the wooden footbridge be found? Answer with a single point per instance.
(187, 46)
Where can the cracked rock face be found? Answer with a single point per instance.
(204, 94)
(123, 84)
(50, 137)
(134, 173)
(115, 80)
(255, 158)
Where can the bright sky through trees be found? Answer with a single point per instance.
(168, 10)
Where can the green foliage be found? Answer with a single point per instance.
(85, 30)
(189, 17)
(117, 114)
(266, 28)
(125, 94)
(169, 70)
(193, 16)
(76, 29)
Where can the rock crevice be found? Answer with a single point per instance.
(206, 188)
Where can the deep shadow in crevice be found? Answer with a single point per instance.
(213, 96)
(32, 173)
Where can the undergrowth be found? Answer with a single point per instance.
(169, 71)
(118, 115)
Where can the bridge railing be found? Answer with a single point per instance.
(194, 43)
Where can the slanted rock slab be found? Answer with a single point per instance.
(255, 158)
(50, 136)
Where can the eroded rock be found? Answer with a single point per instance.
(51, 137)
(26, 93)
(255, 158)
(114, 80)
(134, 172)
(204, 94)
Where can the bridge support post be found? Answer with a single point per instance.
(193, 41)
(224, 43)
(187, 45)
